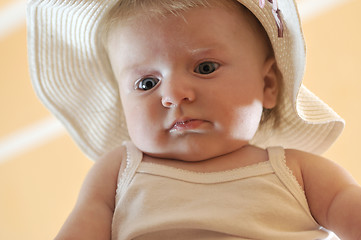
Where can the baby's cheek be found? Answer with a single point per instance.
(143, 124)
(246, 121)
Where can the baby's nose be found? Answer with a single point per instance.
(176, 92)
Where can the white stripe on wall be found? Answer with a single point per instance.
(30, 137)
(312, 8)
(13, 16)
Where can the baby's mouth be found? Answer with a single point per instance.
(186, 125)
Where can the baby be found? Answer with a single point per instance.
(211, 95)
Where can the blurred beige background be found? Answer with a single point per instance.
(41, 169)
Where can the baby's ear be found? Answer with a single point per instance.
(270, 78)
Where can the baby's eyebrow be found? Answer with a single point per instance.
(204, 50)
(133, 66)
(200, 50)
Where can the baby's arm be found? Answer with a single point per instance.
(92, 215)
(333, 195)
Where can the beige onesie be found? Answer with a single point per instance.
(262, 201)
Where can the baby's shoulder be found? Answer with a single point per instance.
(303, 160)
(116, 155)
(299, 161)
(112, 162)
(307, 167)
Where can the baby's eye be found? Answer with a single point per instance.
(206, 67)
(146, 83)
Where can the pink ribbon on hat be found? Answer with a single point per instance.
(276, 15)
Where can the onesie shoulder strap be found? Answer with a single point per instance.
(128, 167)
(277, 159)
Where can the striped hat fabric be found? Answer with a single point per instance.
(72, 76)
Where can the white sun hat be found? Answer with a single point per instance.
(71, 75)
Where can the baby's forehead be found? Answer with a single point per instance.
(129, 10)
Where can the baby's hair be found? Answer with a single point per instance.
(126, 10)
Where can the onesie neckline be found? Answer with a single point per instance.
(257, 169)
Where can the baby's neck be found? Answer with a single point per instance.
(242, 157)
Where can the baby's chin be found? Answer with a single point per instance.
(190, 147)
(190, 155)
(181, 156)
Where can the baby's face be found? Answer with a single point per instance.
(192, 87)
